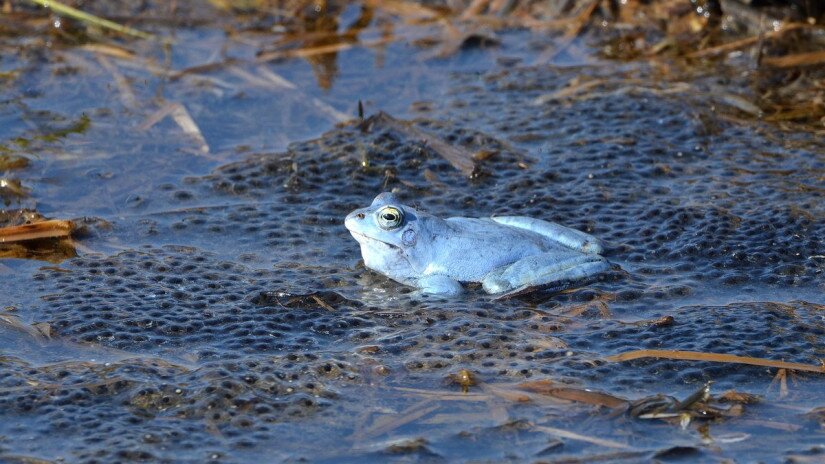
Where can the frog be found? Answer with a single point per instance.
(507, 255)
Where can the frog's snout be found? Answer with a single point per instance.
(353, 219)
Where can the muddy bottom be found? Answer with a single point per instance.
(218, 310)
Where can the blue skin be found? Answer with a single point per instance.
(508, 254)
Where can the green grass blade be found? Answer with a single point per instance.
(79, 15)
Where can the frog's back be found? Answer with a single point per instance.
(467, 249)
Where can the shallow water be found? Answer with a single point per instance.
(218, 310)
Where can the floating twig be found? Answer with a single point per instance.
(459, 158)
(714, 357)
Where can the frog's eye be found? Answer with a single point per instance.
(390, 217)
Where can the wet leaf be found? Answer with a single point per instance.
(733, 396)
(588, 397)
(9, 162)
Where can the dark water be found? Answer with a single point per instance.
(217, 308)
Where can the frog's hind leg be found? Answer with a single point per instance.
(571, 238)
(554, 270)
(439, 285)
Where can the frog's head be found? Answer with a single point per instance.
(386, 226)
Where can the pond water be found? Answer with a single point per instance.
(214, 308)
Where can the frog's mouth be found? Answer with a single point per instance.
(361, 238)
(374, 242)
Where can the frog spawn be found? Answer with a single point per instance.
(165, 299)
(166, 407)
(678, 199)
(247, 394)
(286, 293)
(662, 183)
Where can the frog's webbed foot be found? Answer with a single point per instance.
(543, 270)
(439, 285)
(571, 238)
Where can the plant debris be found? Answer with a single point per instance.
(460, 158)
(32, 237)
(714, 357)
(52, 228)
(80, 15)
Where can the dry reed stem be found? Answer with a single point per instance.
(53, 228)
(391, 422)
(127, 95)
(575, 436)
(795, 60)
(714, 357)
(458, 157)
(746, 42)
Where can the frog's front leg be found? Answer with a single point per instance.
(543, 270)
(439, 285)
